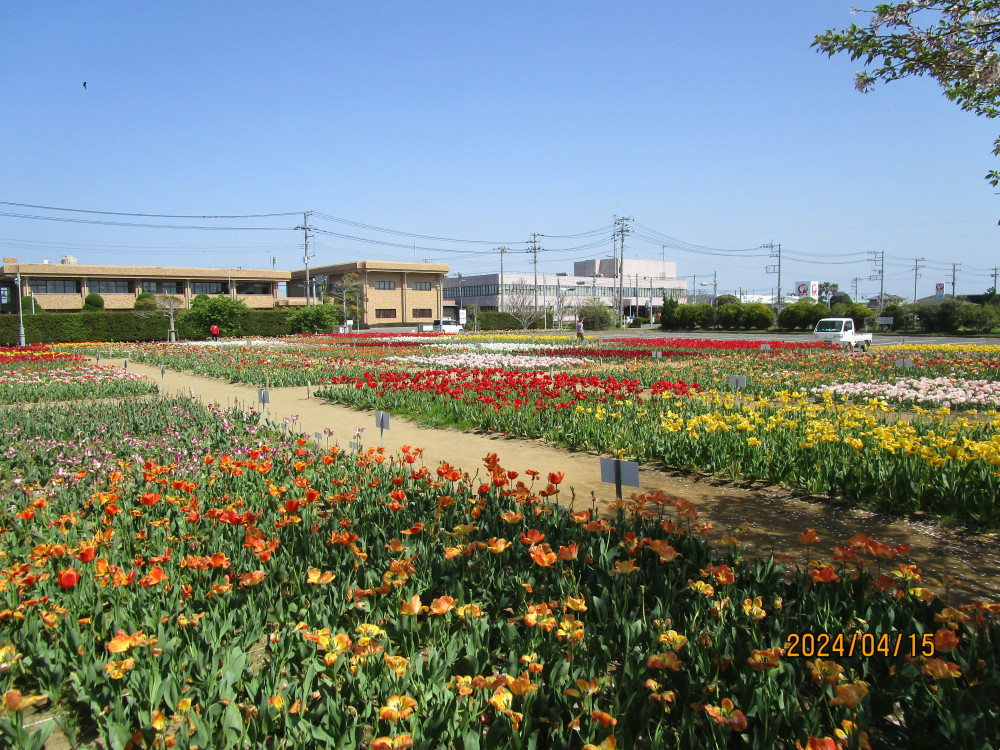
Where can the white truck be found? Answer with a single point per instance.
(447, 325)
(841, 331)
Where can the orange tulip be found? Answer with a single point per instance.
(67, 578)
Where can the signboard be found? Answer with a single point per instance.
(263, 397)
(614, 471)
(904, 364)
(462, 316)
(807, 289)
(939, 290)
(382, 422)
(737, 381)
(883, 321)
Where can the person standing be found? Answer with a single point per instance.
(579, 328)
(215, 331)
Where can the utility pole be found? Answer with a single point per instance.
(306, 256)
(916, 275)
(534, 249)
(694, 287)
(775, 253)
(954, 274)
(879, 275)
(855, 281)
(623, 229)
(502, 251)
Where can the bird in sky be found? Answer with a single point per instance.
(85, 84)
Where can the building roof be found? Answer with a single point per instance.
(58, 270)
(360, 266)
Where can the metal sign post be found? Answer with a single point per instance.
(163, 380)
(617, 472)
(736, 382)
(382, 422)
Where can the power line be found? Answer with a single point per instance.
(147, 216)
(141, 226)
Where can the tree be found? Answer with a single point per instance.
(520, 302)
(145, 301)
(953, 41)
(168, 305)
(756, 316)
(93, 303)
(668, 316)
(861, 315)
(840, 298)
(349, 292)
(725, 299)
(976, 318)
(827, 289)
(596, 316)
(313, 319)
(221, 310)
(728, 315)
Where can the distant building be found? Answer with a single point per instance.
(388, 291)
(62, 287)
(644, 285)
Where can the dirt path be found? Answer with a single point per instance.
(776, 517)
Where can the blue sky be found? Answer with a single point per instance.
(715, 126)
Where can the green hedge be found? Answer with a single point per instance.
(127, 325)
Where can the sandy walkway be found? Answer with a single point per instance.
(775, 516)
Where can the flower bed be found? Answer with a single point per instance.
(188, 579)
(929, 392)
(32, 374)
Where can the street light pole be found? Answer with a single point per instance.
(20, 310)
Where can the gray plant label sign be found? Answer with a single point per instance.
(263, 396)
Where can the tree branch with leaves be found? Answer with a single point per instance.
(953, 42)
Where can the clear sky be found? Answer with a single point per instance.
(715, 126)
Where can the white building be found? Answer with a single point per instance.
(643, 286)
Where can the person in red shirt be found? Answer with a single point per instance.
(215, 332)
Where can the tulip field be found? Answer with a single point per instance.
(32, 374)
(174, 574)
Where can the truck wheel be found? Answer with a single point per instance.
(864, 346)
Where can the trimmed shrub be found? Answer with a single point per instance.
(93, 303)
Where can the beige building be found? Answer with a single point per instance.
(62, 287)
(385, 291)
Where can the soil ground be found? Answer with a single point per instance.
(776, 516)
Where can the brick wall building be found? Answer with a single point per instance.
(62, 287)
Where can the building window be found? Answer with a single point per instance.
(208, 287)
(55, 286)
(247, 287)
(385, 285)
(162, 287)
(421, 286)
(109, 286)
(385, 313)
(422, 312)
